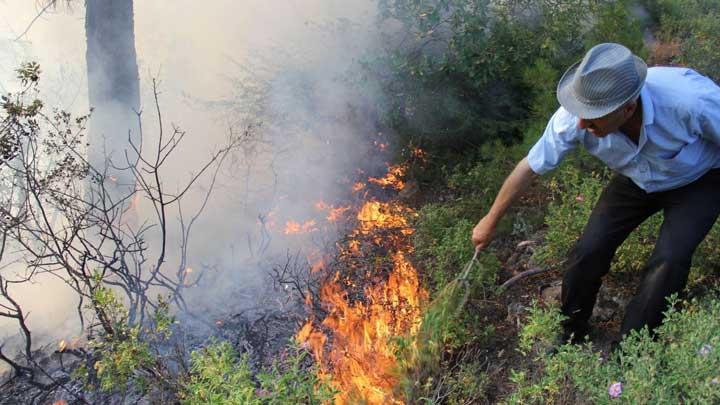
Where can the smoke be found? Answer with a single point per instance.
(288, 72)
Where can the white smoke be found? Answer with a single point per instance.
(223, 65)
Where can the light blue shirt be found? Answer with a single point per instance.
(679, 138)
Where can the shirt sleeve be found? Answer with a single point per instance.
(709, 117)
(560, 137)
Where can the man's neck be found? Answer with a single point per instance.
(631, 127)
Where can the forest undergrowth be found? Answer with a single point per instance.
(472, 86)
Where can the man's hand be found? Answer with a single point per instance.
(510, 191)
(483, 233)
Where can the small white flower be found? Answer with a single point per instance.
(705, 350)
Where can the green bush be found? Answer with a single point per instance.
(447, 327)
(680, 365)
(459, 77)
(695, 26)
(219, 376)
(575, 193)
(128, 358)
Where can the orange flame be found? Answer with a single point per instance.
(361, 359)
(335, 214)
(358, 356)
(293, 227)
(392, 178)
(358, 186)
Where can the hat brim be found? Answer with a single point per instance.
(566, 95)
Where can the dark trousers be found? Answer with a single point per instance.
(689, 214)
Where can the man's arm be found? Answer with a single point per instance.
(513, 187)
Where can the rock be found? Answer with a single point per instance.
(514, 310)
(550, 293)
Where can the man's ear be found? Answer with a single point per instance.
(630, 109)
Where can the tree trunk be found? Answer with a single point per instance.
(113, 84)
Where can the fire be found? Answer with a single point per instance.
(71, 345)
(358, 186)
(419, 154)
(292, 227)
(361, 359)
(317, 264)
(392, 178)
(380, 145)
(376, 215)
(352, 345)
(335, 214)
(354, 247)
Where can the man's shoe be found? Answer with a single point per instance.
(575, 334)
(570, 335)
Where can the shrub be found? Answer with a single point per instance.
(695, 26)
(679, 365)
(575, 194)
(458, 78)
(426, 358)
(127, 360)
(219, 376)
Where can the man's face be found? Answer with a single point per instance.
(601, 127)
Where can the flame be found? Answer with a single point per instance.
(380, 145)
(352, 345)
(317, 266)
(73, 344)
(354, 247)
(335, 214)
(361, 359)
(292, 227)
(375, 215)
(419, 154)
(358, 186)
(392, 178)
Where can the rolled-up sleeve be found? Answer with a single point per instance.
(560, 137)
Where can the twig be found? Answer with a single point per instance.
(42, 11)
(526, 273)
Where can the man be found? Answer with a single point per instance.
(659, 130)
